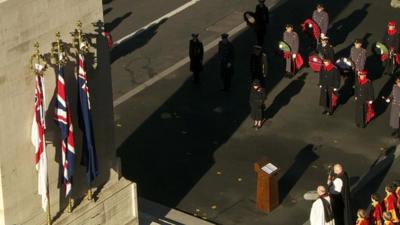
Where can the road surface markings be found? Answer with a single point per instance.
(166, 16)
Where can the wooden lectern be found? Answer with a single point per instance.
(267, 185)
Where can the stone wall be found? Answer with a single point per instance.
(22, 22)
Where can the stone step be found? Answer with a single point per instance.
(152, 213)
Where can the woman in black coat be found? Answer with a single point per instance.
(257, 98)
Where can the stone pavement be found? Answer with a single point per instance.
(192, 147)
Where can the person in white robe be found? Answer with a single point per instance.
(321, 210)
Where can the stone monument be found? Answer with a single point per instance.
(22, 23)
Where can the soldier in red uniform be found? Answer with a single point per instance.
(376, 212)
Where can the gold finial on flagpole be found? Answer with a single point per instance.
(57, 54)
(80, 43)
(37, 63)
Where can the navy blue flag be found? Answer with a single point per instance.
(89, 158)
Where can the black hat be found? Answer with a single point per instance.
(224, 35)
(320, 5)
(358, 41)
(195, 35)
(261, 1)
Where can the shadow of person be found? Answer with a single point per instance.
(340, 30)
(303, 160)
(113, 24)
(169, 153)
(284, 97)
(380, 105)
(370, 182)
(106, 11)
(140, 39)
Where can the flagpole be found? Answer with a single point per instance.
(38, 65)
(48, 204)
(81, 47)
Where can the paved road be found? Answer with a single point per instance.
(192, 147)
(163, 44)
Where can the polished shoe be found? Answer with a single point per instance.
(329, 113)
(394, 133)
(324, 112)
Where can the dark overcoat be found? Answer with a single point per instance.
(363, 93)
(322, 19)
(328, 80)
(326, 52)
(395, 107)
(358, 56)
(196, 53)
(257, 98)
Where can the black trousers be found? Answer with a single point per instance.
(226, 77)
(260, 34)
(361, 112)
(338, 209)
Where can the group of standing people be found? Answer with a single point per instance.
(329, 70)
(333, 205)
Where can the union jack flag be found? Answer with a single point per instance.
(64, 121)
(38, 140)
(89, 158)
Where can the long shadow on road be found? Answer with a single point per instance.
(139, 40)
(174, 148)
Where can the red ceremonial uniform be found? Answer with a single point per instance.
(390, 206)
(362, 222)
(376, 214)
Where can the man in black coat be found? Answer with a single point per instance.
(225, 53)
(196, 52)
(325, 49)
(258, 65)
(262, 20)
(329, 83)
(363, 95)
(391, 39)
(339, 190)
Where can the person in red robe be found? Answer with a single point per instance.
(362, 217)
(387, 216)
(376, 212)
(390, 203)
(396, 184)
